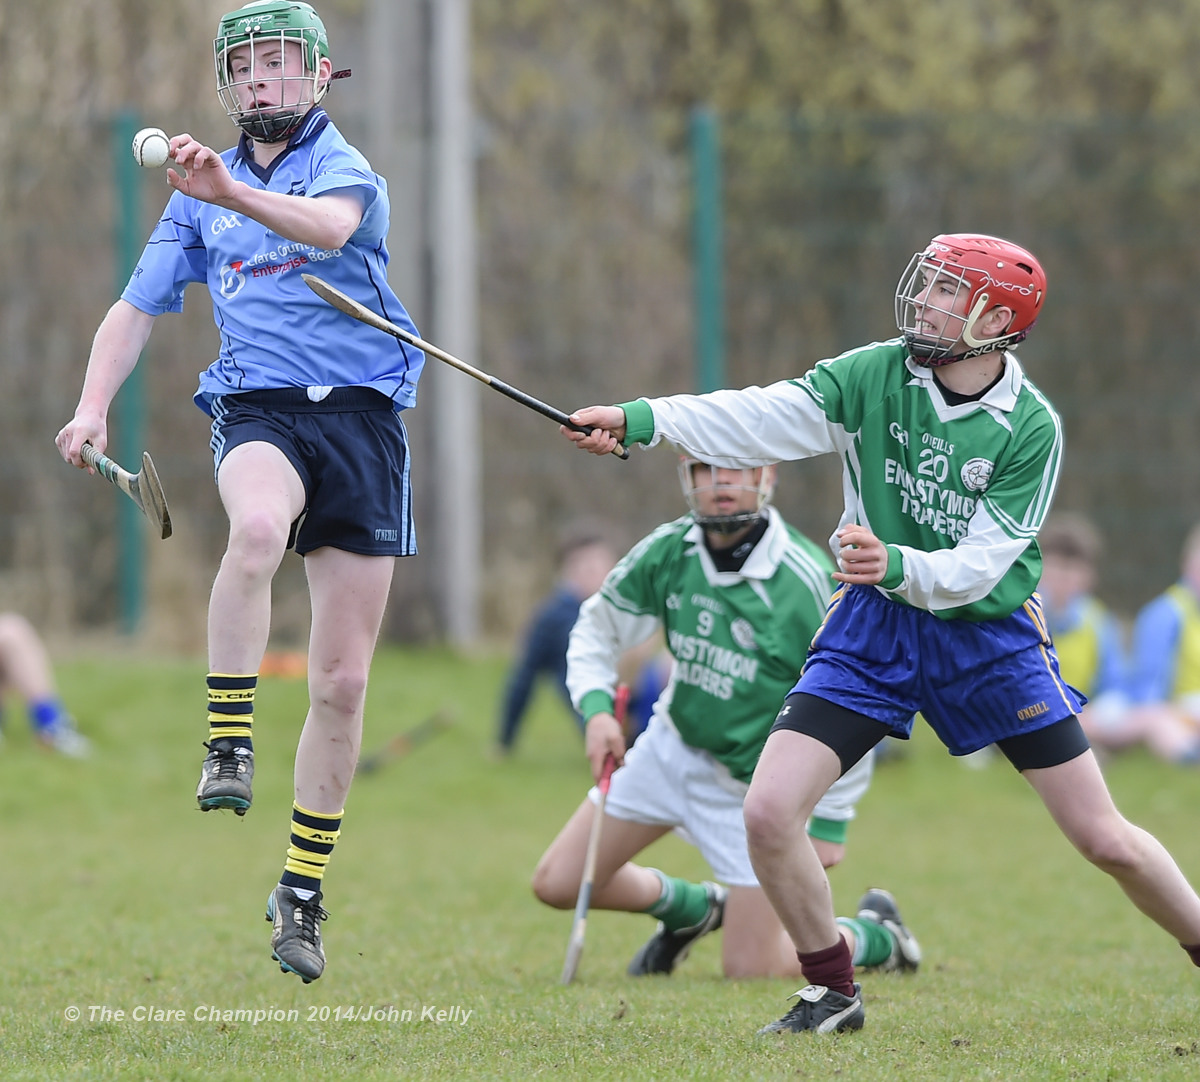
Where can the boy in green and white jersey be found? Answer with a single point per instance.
(950, 459)
(738, 594)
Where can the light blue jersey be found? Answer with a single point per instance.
(275, 332)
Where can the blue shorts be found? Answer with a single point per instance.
(974, 682)
(351, 453)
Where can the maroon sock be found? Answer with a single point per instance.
(1193, 952)
(829, 968)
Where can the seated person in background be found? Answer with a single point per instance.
(585, 556)
(1165, 678)
(25, 670)
(1087, 636)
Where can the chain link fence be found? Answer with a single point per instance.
(822, 216)
(586, 297)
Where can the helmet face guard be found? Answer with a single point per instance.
(257, 26)
(761, 489)
(957, 279)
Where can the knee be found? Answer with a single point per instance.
(1111, 847)
(342, 688)
(14, 629)
(551, 887)
(257, 542)
(769, 824)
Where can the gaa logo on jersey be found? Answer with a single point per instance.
(743, 634)
(674, 601)
(976, 473)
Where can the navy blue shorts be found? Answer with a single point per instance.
(974, 682)
(351, 452)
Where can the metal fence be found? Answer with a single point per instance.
(821, 217)
(586, 296)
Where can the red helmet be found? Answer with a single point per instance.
(992, 270)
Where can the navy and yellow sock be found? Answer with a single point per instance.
(682, 904)
(231, 708)
(313, 838)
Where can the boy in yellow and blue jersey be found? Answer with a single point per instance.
(1165, 681)
(1087, 636)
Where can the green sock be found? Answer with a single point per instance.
(681, 904)
(873, 943)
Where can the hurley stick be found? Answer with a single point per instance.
(584, 899)
(143, 487)
(363, 314)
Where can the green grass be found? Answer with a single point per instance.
(119, 894)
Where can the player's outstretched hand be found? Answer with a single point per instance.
(608, 429)
(604, 737)
(206, 176)
(863, 558)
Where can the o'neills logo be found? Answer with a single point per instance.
(1035, 711)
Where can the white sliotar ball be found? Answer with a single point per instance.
(150, 148)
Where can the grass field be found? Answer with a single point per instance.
(121, 897)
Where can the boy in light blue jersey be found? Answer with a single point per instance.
(308, 445)
(1087, 636)
(950, 459)
(1090, 648)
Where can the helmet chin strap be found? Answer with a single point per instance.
(727, 524)
(979, 346)
(271, 128)
(977, 310)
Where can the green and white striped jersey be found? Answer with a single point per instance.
(739, 638)
(957, 492)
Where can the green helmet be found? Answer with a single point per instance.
(255, 24)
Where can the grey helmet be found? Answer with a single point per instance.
(763, 488)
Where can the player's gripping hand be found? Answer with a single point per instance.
(603, 737)
(82, 428)
(862, 559)
(206, 177)
(608, 429)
